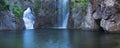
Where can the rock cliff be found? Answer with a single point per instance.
(104, 14)
(91, 15)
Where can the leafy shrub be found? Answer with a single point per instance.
(17, 11)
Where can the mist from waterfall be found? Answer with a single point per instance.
(63, 13)
(28, 19)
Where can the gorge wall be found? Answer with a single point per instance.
(84, 14)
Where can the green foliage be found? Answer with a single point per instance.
(17, 11)
(75, 4)
(83, 3)
(4, 5)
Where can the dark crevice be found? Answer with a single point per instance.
(98, 23)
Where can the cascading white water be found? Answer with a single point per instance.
(63, 13)
(28, 18)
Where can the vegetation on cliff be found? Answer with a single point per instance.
(4, 5)
(17, 11)
(82, 3)
(75, 4)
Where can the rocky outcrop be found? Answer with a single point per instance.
(112, 14)
(79, 20)
(8, 21)
(89, 23)
(105, 14)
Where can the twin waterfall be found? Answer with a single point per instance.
(63, 10)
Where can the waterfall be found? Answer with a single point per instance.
(63, 13)
(28, 19)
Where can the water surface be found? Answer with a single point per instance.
(56, 38)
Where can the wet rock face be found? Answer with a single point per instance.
(6, 21)
(46, 14)
(108, 14)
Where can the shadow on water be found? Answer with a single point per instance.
(58, 38)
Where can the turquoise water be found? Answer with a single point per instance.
(56, 38)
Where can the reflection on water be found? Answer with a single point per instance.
(28, 39)
(53, 38)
